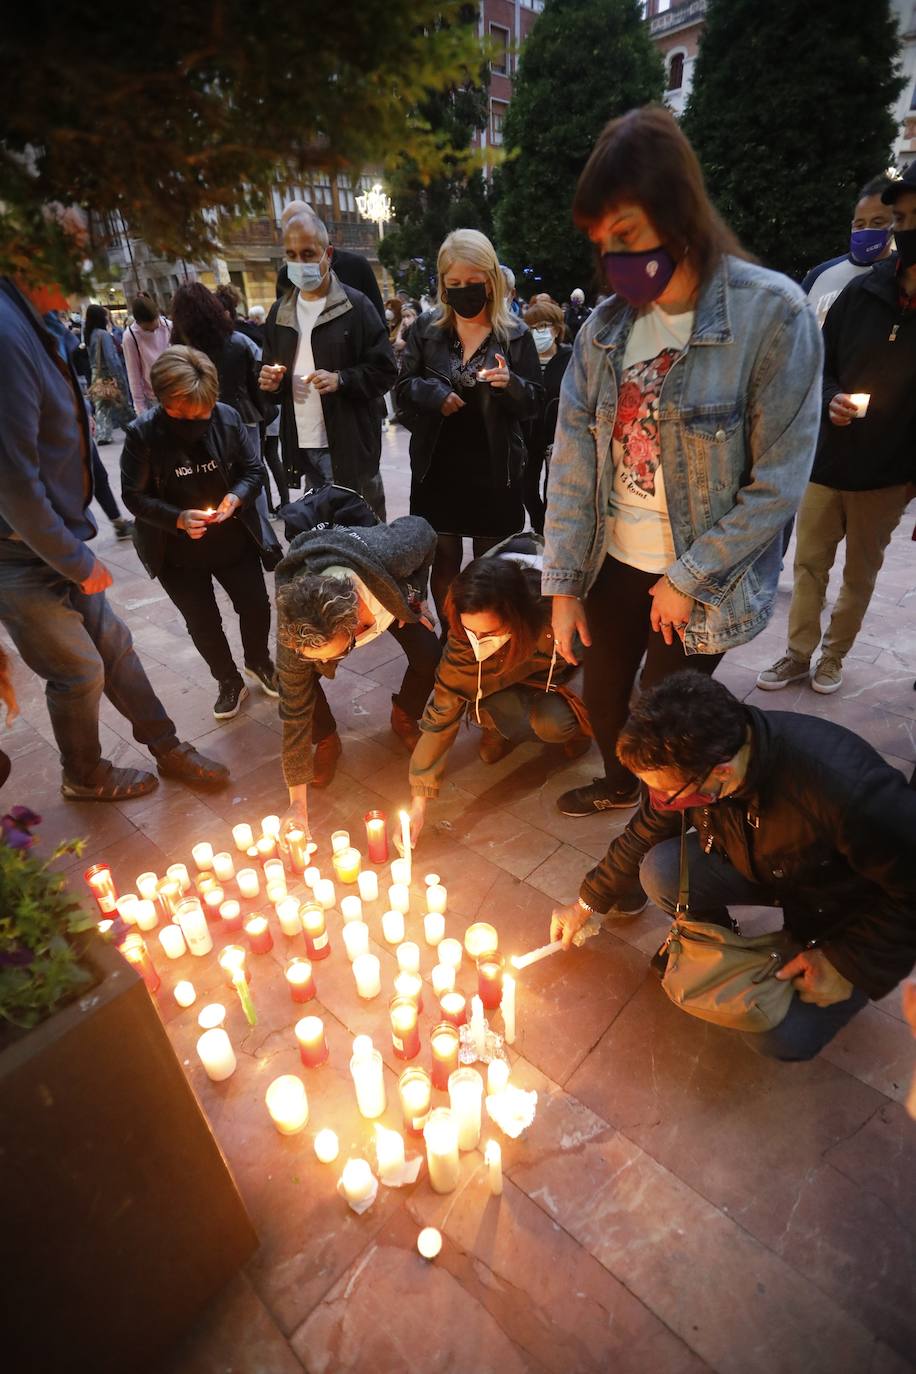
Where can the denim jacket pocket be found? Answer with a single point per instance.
(714, 442)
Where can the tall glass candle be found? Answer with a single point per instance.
(399, 897)
(393, 930)
(480, 939)
(465, 1093)
(147, 914)
(288, 916)
(275, 872)
(347, 864)
(260, 940)
(450, 952)
(324, 893)
(146, 886)
(408, 957)
(215, 1052)
(243, 836)
(443, 976)
(356, 939)
(367, 971)
(202, 854)
(172, 942)
(368, 1078)
(415, 1090)
(180, 873)
(101, 885)
(409, 985)
(223, 866)
(312, 1041)
(454, 1008)
(135, 952)
(507, 1006)
(441, 1136)
(389, 1152)
(368, 885)
(301, 980)
(311, 914)
(168, 895)
(493, 1158)
(288, 1104)
(248, 883)
(230, 913)
(298, 850)
(189, 915)
(405, 1033)
(444, 1043)
(351, 908)
(340, 840)
(376, 837)
(490, 980)
(434, 927)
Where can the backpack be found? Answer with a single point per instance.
(320, 508)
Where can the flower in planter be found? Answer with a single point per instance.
(16, 827)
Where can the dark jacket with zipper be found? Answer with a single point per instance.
(393, 561)
(149, 454)
(544, 426)
(824, 825)
(348, 337)
(424, 382)
(238, 370)
(869, 346)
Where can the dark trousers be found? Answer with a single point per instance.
(192, 591)
(102, 487)
(618, 608)
(423, 651)
(714, 887)
(535, 504)
(272, 460)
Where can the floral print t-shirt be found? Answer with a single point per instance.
(638, 529)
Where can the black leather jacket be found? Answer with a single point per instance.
(822, 823)
(149, 452)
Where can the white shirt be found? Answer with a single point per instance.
(310, 428)
(382, 617)
(638, 528)
(827, 286)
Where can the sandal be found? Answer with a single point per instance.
(110, 784)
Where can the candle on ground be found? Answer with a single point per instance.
(347, 864)
(189, 915)
(508, 1008)
(436, 894)
(444, 1043)
(243, 836)
(415, 1090)
(147, 914)
(450, 952)
(266, 847)
(311, 914)
(184, 993)
(399, 897)
(260, 939)
(312, 1041)
(351, 908)
(497, 1077)
(409, 985)
(454, 1008)
(429, 1242)
(276, 892)
(480, 939)
(213, 900)
(405, 839)
(168, 895)
(311, 876)
(368, 885)
(223, 866)
(288, 916)
(202, 854)
(465, 1094)
(133, 947)
(434, 927)
(405, 1034)
(376, 837)
(490, 980)
(172, 942)
(327, 1146)
(214, 1049)
(270, 825)
(231, 958)
(389, 1151)
(205, 882)
(393, 930)
(274, 872)
(324, 893)
(356, 939)
(230, 913)
(181, 876)
(340, 840)
(408, 957)
(248, 883)
(357, 1181)
(443, 976)
(146, 886)
(367, 971)
(441, 1136)
(101, 885)
(301, 980)
(400, 871)
(368, 1075)
(288, 1104)
(298, 849)
(493, 1158)
(126, 907)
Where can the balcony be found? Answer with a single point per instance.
(262, 237)
(678, 17)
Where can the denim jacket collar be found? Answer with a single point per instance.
(711, 324)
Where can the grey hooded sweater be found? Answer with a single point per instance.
(393, 561)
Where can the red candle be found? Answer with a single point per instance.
(259, 937)
(444, 1043)
(313, 1044)
(490, 980)
(376, 837)
(135, 952)
(454, 1008)
(101, 884)
(301, 983)
(405, 1033)
(311, 914)
(231, 915)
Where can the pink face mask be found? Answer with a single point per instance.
(682, 803)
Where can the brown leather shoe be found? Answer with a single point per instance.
(405, 727)
(327, 752)
(494, 746)
(577, 746)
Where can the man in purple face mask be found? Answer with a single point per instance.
(871, 240)
(784, 810)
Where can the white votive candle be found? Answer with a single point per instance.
(393, 927)
(179, 873)
(340, 840)
(327, 1146)
(493, 1158)
(288, 916)
(215, 1052)
(389, 1149)
(311, 876)
(434, 927)
(185, 994)
(126, 908)
(248, 883)
(324, 893)
(497, 1076)
(172, 941)
(443, 977)
(223, 866)
(202, 854)
(368, 885)
(211, 1016)
(356, 939)
(146, 913)
(270, 825)
(276, 892)
(436, 897)
(275, 872)
(288, 1104)
(357, 1181)
(429, 1242)
(351, 908)
(860, 400)
(367, 970)
(400, 871)
(450, 952)
(243, 835)
(409, 957)
(147, 883)
(399, 897)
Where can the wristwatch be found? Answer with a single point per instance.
(585, 907)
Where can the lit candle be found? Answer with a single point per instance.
(172, 942)
(311, 876)
(211, 1016)
(213, 900)
(146, 886)
(441, 1136)
(368, 885)
(324, 893)
(215, 1052)
(409, 957)
(405, 1034)
(179, 873)
(230, 913)
(205, 882)
(288, 916)
(454, 1008)
(202, 854)
(409, 985)
(443, 977)
(520, 961)
(270, 825)
(189, 915)
(389, 1151)
(367, 971)
(340, 840)
(444, 1043)
(243, 992)
(450, 952)
(356, 939)
(311, 914)
(133, 947)
(147, 914)
(168, 895)
(376, 837)
(327, 1146)
(347, 864)
(288, 1104)
(243, 836)
(465, 1094)
(860, 400)
(357, 1182)
(248, 883)
(301, 980)
(106, 928)
(399, 897)
(436, 894)
(266, 847)
(478, 1027)
(276, 892)
(260, 939)
(298, 849)
(101, 885)
(231, 959)
(493, 1158)
(184, 993)
(508, 1008)
(429, 1242)
(405, 839)
(434, 927)
(312, 1041)
(490, 980)
(415, 1089)
(480, 939)
(223, 866)
(351, 908)
(274, 872)
(393, 930)
(368, 1075)
(126, 908)
(400, 871)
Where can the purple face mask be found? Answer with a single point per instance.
(867, 245)
(639, 278)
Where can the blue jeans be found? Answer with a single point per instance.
(525, 713)
(80, 648)
(714, 886)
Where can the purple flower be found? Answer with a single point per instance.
(15, 827)
(16, 958)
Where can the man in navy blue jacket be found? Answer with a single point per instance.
(52, 587)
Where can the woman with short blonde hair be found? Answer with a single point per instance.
(185, 372)
(469, 382)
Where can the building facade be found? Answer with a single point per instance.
(905, 113)
(506, 23)
(676, 27)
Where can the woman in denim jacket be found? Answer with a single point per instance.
(686, 432)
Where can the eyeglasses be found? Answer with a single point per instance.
(326, 662)
(681, 790)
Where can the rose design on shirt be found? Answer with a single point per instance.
(636, 422)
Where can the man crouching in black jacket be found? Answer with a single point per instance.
(790, 811)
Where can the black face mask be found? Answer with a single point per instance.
(467, 301)
(187, 432)
(905, 239)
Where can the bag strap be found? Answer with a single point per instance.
(683, 887)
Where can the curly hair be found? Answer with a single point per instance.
(229, 298)
(312, 610)
(687, 722)
(198, 319)
(510, 592)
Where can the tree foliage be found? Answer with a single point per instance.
(182, 109)
(585, 62)
(789, 114)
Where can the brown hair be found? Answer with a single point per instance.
(511, 592)
(180, 371)
(644, 157)
(546, 312)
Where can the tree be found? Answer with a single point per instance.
(202, 107)
(789, 114)
(584, 62)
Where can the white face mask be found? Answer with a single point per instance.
(486, 647)
(543, 339)
(308, 276)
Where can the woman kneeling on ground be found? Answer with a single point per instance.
(500, 663)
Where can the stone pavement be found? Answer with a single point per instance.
(678, 1205)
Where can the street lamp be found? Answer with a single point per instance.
(374, 204)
